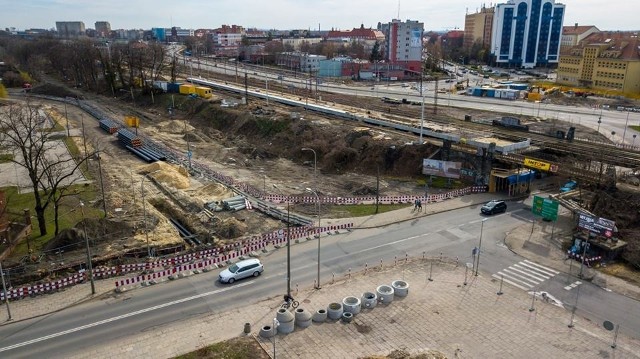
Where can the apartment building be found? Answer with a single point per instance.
(572, 35)
(403, 43)
(365, 37)
(70, 29)
(605, 61)
(103, 29)
(478, 26)
(527, 33)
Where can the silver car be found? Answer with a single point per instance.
(242, 269)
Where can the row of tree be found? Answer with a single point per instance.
(104, 67)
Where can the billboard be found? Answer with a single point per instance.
(601, 226)
(416, 38)
(441, 168)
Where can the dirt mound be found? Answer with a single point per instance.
(175, 126)
(170, 175)
(214, 192)
(231, 228)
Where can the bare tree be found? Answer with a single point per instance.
(24, 131)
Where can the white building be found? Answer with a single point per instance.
(527, 33)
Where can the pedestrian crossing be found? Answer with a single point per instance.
(525, 274)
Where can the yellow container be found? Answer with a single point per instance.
(187, 89)
(204, 92)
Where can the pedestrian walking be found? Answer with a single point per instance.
(419, 205)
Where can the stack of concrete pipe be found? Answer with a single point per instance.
(302, 318)
(287, 321)
(234, 203)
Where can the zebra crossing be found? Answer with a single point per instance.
(525, 274)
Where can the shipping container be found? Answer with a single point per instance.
(173, 87)
(187, 89)
(204, 92)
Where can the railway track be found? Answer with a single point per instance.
(410, 114)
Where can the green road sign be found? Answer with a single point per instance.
(545, 207)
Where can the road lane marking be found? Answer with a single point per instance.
(123, 316)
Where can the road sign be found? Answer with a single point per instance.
(545, 207)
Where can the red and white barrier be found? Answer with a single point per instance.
(33, 290)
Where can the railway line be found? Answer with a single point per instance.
(409, 114)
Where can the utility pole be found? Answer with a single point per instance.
(4, 290)
(435, 97)
(86, 239)
(84, 140)
(377, 188)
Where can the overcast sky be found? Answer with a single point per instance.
(288, 14)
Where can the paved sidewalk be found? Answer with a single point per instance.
(444, 315)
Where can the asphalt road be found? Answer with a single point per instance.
(452, 233)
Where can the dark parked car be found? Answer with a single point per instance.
(493, 207)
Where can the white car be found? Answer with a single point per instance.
(242, 269)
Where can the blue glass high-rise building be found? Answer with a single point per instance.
(527, 33)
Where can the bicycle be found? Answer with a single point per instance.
(289, 302)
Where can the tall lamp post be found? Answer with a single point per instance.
(4, 290)
(318, 203)
(315, 166)
(288, 246)
(144, 213)
(86, 239)
(480, 245)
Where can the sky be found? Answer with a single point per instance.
(288, 14)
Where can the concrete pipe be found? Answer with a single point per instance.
(351, 305)
(369, 300)
(267, 332)
(320, 316)
(334, 311)
(303, 318)
(284, 316)
(286, 328)
(347, 317)
(385, 293)
(400, 288)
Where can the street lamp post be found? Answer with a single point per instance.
(86, 239)
(288, 246)
(626, 124)
(315, 162)
(144, 213)
(421, 117)
(480, 245)
(4, 290)
(318, 203)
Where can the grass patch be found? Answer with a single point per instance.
(441, 182)
(359, 210)
(69, 214)
(6, 157)
(237, 348)
(635, 128)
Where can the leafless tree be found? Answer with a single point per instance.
(24, 131)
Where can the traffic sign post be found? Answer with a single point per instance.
(545, 207)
